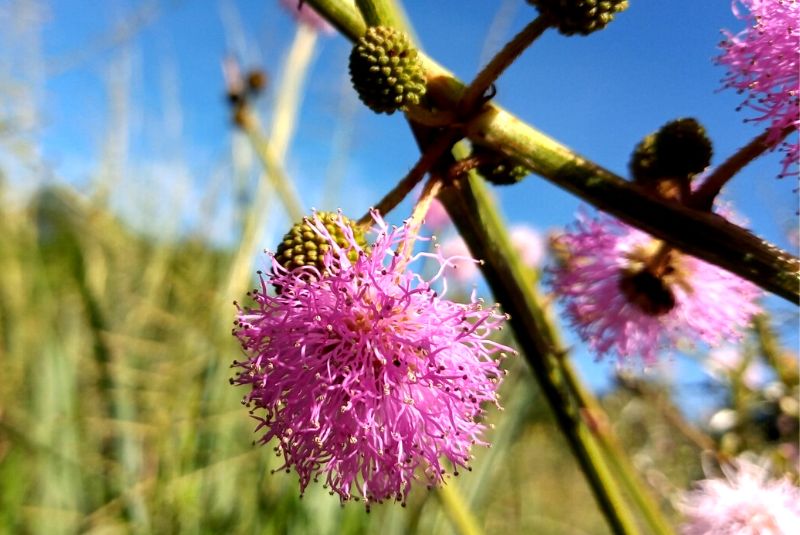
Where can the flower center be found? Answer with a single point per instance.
(647, 291)
(648, 280)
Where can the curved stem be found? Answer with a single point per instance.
(704, 197)
(428, 159)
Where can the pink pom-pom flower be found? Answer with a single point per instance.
(763, 63)
(746, 502)
(364, 375)
(626, 294)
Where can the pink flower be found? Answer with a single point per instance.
(746, 502)
(462, 267)
(627, 294)
(762, 62)
(725, 361)
(437, 219)
(366, 376)
(529, 244)
(305, 14)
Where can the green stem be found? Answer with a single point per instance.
(383, 13)
(501, 62)
(272, 165)
(703, 235)
(615, 454)
(456, 509)
(469, 207)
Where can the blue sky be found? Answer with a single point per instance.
(598, 94)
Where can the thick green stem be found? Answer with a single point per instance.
(703, 235)
(380, 13)
(469, 207)
(615, 454)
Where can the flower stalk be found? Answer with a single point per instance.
(478, 223)
(704, 197)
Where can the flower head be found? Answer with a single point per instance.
(305, 14)
(528, 243)
(762, 62)
(628, 294)
(364, 375)
(745, 502)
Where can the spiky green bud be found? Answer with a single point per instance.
(679, 149)
(303, 246)
(580, 16)
(498, 168)
(386, 71)
(505, 172)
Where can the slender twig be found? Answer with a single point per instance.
(272, 166)
(414, 223)
(670, 413)
(428, 159)
(501, 61)
(704, 197)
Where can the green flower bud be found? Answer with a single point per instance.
(303, 246)
(386, 71)
(580, 16)
(680, 149)
(505, 172)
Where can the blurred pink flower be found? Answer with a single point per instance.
(762, 63)
(529, 244)
(437, 219)
(461, 266)
(726, 360)
(745, 502)
(619, 303)
(305, 14)
(365, 375)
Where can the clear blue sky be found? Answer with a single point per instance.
(598, 94)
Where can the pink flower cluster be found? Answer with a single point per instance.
(697, 301)
(762, 62)
(367, 377)
(746, 502)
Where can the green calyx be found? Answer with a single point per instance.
(498, 168)
(386, 71)
(505, 172)
(679, 149)
(303, 246)
(580, 16)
